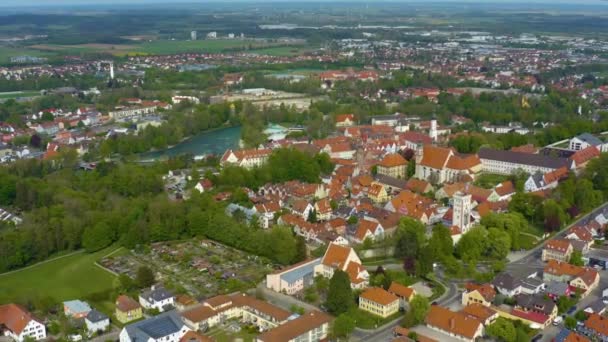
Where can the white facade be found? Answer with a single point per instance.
(461, 216)
(33, 329)
(175, 337)
(93, 327)
(508, 168)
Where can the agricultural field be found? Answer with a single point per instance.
(167, 47)
(19, 94)
(74, 276)
(6, 52)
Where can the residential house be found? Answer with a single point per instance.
(19, 324)
(323, 209)
(418, 186)
(294, 278)
(483, 294)
(266, 212)
(566, 335)
(535, 308)
(584, 279)
(482, 313)
(301, 208)
(582, 157)
(245, 158)
(595, 327)
(127, 309)
(557, 249)
(379, 302)
(310, 327)
(96, 322)
(203, 185)
(247, 309)
(76, 309)
(556, 289)
(502, 192)
(377, 193)
(393, 165)
(585, 140)
(166, 327)
(583, 234)
(510, 286)
(412, 205)
(439, 165)
(368, 229)
(454, 324)
(345, 120)
(544, 181)
(508, 162)
(156, 297)
(404, 293)
(183, 301)
(343, 258)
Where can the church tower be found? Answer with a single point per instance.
(461, 216)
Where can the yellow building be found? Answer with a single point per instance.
(127, 309)
(377, 193)
(482, 294)
(393, 165)
(379, 302)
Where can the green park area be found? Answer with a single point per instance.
(73, 276)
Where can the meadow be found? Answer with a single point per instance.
(74, 276)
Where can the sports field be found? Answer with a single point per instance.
(74, 276)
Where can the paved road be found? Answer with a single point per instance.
(283, 301)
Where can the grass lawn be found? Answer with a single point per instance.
(366, 320)
(72, 277)
(280, 51)
(18, 94)
(489, 180)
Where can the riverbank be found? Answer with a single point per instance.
(213, 141)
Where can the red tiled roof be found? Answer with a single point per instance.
(15, 318)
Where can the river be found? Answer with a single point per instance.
(209, 142)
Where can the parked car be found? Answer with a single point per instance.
(558, 320)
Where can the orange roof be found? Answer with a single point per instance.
(485, 290)
(574, 337)
(411, 204)
(584, 155)
(336, 255)
(185, 300)
(464, 162)
(323, 206)
(478, 311)
(435, 157)
(364, 227)
(597, 323)
(296, 327)
(401, 290)
(558, 268)
(15, 318)
(364, 180)
(375, 189)
(353, 269)
(379, 295)
(344, 117)
(454, 322)
(393, 160)
(558, 245)
(505, 188)
(417, 185)
(555, 175)
(126, 304)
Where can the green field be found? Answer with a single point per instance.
(280, 51)
(7, 52)
(168, 47)
(70, 277)
(18, 94)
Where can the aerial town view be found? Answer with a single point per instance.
(303, 171)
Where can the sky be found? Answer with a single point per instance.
(17, 3)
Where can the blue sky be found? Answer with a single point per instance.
(88, 2)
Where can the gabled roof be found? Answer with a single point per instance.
(336, 255)
(485, 290)
(393, 160)
(558, 245)
(454, 322)
(157, 327)
(435, 157)
(401, 290)
(523, 158)
(125, 304)
(15, 318)
(379, 295)
(597, 323)
(417, 185)
(364, 227)
(584, 155)
(296, 327)
(590, 139)
(478, 311)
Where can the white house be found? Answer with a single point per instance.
(345, 259)
(245, 158)
(157, 297)
(166, 327)
(96, 322)
(19, 325)
(582, 141)
(507, 162)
